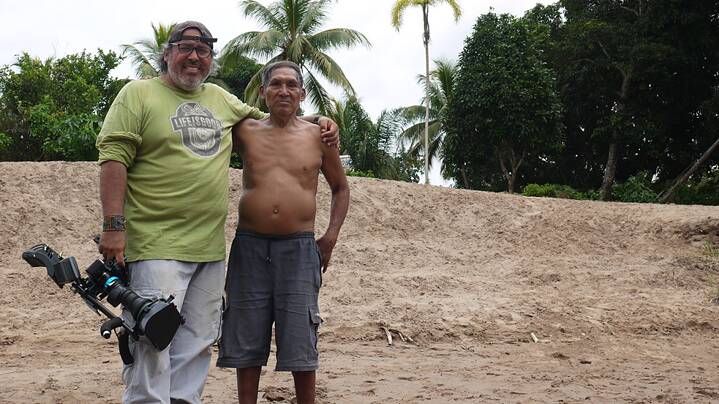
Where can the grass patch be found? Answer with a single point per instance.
(712, 251)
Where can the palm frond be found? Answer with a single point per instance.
(265, 16)
(144, 66)
(145, 53)
(316, 94)
(315, 16)
(295, 49)
(412, 113)
(292, 35)
(161, 33)
(338, 38)
(294, 11)
(456, 10)
(400, 6)
(256, 44)
(414, 136)
(444, 74)
(331, 71)
(252, 91)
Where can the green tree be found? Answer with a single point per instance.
(400, 6)
(505, 109)
(440, 86)
(145, 54)
(633, 77)
(53, 109)
(370, 143)
(293, 34)
(235, 73)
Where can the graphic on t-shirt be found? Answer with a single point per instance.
(200, 131)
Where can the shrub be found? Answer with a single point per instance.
(360, 173)
(550, 191)
(700, 191)
(637, 188)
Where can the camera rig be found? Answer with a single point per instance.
(156, 319)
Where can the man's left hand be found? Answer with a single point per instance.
(329, 132)
(326, 245)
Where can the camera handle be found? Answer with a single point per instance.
(113, 323)
(109, 325)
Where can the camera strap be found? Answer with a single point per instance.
(123, 338)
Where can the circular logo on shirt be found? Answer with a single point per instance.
(200, 131)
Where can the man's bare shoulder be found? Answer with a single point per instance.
(249, 125)
(308, 128)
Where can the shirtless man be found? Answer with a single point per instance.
(275, 266)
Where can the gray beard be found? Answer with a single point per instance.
(185, 83)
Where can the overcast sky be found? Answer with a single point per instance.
(384, 75)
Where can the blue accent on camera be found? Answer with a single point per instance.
(111, 281)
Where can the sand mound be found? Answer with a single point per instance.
(617, 296)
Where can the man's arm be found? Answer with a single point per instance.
(113, 184)
(329, 131)
(335, 175)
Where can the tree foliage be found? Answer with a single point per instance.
(398, 9)
(145, 54)
(505, 110)
(370, 143)
(293, 34)
(636, 80)
(235, 73)
(441, 86)
(53, 109)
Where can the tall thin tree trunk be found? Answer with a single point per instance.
(425, 13)
(514, 173)
(464, 176)
(505, 171)
(609, 171)
(510, 174)
(667, 195)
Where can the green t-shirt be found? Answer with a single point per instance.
(176, 146)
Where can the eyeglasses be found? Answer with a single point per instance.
(184, 49)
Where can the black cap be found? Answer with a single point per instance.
(180, 28)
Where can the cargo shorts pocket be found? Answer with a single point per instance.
(315, 322)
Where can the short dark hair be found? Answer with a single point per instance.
(267, 71)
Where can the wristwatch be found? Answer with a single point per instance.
(113, 223)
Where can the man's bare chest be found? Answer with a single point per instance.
(292, 154)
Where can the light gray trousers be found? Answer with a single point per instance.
(178, 373)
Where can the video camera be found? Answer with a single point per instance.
(156, 319)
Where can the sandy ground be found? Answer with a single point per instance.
(617, 296)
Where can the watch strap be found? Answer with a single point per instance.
(113, 223)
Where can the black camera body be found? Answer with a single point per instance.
(156, 319)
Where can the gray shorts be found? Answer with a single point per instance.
(272, 279)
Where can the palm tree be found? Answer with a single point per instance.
(441, 82)
(397, 10)
(292, 34)
(145, 54)
(368, 143)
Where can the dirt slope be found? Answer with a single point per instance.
(617, 295)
